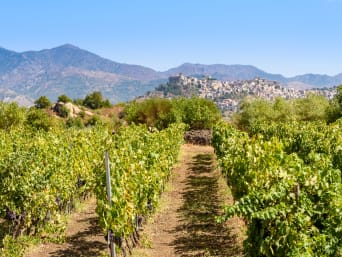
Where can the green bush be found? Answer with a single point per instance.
(95, 101)
(42, 102)
(64, 98)
(95, 120)
(252, 111)
(11, 115)
(74, 122)
(155, 112)
(198, 113)
(334, 111)
(64, 112)
(39, 120)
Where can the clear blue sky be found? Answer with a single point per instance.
(280, 36)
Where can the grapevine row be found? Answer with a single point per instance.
(42, 174)
(141, 163)
(286, 180)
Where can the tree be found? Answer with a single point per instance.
(198, 113)
(42, 102)
(154, 112)
(334, 111)
(253, 111)
(95, 101)
(312, 107)
(64, 98)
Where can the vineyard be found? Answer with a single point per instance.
(285, 179)
(43, 175)
(286, 182)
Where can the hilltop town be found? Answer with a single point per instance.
(228, 94)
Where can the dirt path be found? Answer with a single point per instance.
(185, 225)
(83, 237)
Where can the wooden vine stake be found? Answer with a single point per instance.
(109, 196)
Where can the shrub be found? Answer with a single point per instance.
(198, 113)
(64, 98)
(42, 102)
(95, 120)
(155, 112)
(39, 120)
(95, 101)
(11, 115)
(64, 112)
(74, 122)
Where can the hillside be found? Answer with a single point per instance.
(70, 70)
(228, 94)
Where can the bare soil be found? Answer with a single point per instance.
(83, 237)
(184, 224)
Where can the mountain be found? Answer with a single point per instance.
(70, 70)
(246, 72)
(224, 72)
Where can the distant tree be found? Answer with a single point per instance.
(78, 101)
(334, 110)
(198, 113)
(283, 110)
(154, 112)
(64, 98)
(312, 107)
(253, 111)
(42, 102)
(95, 101)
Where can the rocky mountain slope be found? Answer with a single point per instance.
(70, 70)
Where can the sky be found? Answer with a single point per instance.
(288, 37)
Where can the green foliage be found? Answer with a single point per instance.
(64, 112)
(311, 108)
(43, 173)
(11, 115)
(286, 180)
(39, 120)
(74, 122)
(64, 98)
(197, 113)
(78, 101)
(94, 120)
(42, 102)
(141, 163)
(334, 110)
(95, 101)
(14, 247)
(154, 112)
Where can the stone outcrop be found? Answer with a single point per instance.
(73, 110)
